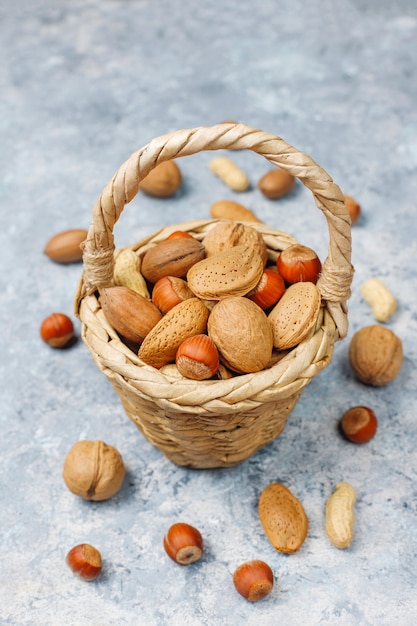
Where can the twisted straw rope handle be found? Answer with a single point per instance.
(337, 271)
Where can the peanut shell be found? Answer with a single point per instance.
(241, 333)
(295, 314)
(233, 272)
(283, 518)
(184, 320)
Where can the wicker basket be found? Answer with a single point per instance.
(214, 423)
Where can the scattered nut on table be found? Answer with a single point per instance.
(276, 183)
(65, 247)
(85, 561)
(283, 518)
(228, 209)
(254, 580)
(359, 424)
(375, 355)
(163, 181)
(57, 330)
(93, 470)
(183, 543)
(340, 516)
(380, 299)
(230, 173)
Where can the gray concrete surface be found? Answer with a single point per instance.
(83, 84)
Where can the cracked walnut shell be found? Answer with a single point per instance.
(93, 470)
(375, 355)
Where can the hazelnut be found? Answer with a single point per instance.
(298, 263)
(57, 330)
(269, 289)
(93, 470)
(359, 424)
(183, 543)
(197, 357)
(85, 561)
(254, 580)
(375, 355)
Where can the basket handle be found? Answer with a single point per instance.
(337, 271)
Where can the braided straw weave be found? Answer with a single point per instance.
(213, 423)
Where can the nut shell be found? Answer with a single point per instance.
(233, 272)
(295, 315)
(184, 320)
(276, 183)
(228, 209)
(65, 247)
(283, 518)
(163, 181)
(228, 233)
(129, 313)
(375, 355)
(242, 334)
(254, 580)
(171, 257)
(93, 470)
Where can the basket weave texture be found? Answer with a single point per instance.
(213, 423)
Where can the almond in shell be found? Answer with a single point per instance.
(129, 313)
(295, 315)
(229, 233)
(241, 333)
(172, 257)
(233, 272)
(64, 247)
(228, 209)
(283, 518)
(186, 319)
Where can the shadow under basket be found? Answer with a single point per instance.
(213, 423)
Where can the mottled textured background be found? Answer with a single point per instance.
(83, 84)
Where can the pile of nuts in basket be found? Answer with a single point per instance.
(213, 307)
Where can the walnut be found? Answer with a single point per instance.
(93, 470)
(375, 355)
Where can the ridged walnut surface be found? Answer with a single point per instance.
(213, 423)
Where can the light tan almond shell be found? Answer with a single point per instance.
(295, 314)
(242, 334)
(129, 313)
(283, 518)
(234, 272)
(184, 320)
(229, 233)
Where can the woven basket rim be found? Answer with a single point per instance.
(163, 387)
